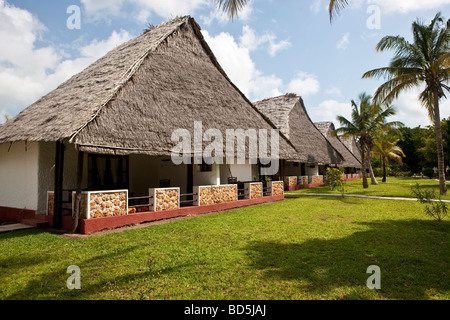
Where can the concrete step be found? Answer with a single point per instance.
(37, 223)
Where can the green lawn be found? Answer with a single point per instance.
(393, 187)
(306, 248)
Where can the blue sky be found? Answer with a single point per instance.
(274, 47)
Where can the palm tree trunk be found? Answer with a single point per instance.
(384, 170)
(369, 165)
(363, 164)
(440, 148)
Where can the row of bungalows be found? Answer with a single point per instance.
(317, 144)
(97, 152)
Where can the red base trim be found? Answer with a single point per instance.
(93, 225)
(311, 185)
(9, 214)
(15, 214)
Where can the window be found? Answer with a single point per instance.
(107, 172)
(205, 167)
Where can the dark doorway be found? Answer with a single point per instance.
(108, 172)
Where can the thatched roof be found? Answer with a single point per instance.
(351, 145)
(328, 130)
(132, 99)
(288, 113)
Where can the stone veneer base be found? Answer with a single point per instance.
(99, 224)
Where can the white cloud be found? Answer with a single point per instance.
(97, 8)
(315, 6)
(274, 47)
(304, 84)
(411, 112)
(101, 9)
(238, 65)
(28, 72)
(403, 6)
(387, 6)
(334, 91)
(252, 41)
(236, 61)
(343, 42)
(328, 110)
(408, 110)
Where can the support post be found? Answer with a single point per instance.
(59, 170)
(76, 214)
(190, 180)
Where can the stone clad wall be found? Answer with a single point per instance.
(165, 199)
(215, 194)
(253, 190)
(225, 193)
(256, 190)
(107, 204)
(290, 181)
(275, 188)
(303, 180)
(205, 196)
(317, 179)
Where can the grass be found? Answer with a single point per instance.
(393, 187)
(306, 248)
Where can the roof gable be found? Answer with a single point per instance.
(328, 130)
(289, 114)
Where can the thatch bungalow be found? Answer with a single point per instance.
(314, 151)
(351, 164)
(109, 128)
(351, 145)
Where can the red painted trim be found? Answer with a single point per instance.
(304, 186)
(93, 225)
(15, 214)
(311, 185)
(9, 214)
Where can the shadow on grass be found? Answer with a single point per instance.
(414, 257)
(100, 276)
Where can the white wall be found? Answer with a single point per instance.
(243, 172)
(314, 171)
(207, 178)
(146, 172)
(19, 175)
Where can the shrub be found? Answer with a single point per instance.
(335, 178)
(434, 206)
(405, 174)
(429, 172)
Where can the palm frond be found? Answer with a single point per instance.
(231, 7)
(335, 7)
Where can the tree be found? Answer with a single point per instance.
(425, 61)
(368, 121)
(410, 142)
(232, 7)
(385, 146)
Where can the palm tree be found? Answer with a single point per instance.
(368, 121)
(426, 61)
(232, 7)
(385, 146)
